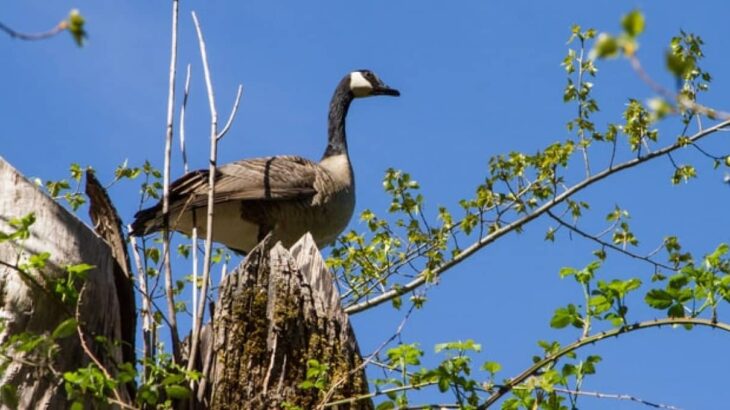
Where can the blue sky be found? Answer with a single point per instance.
(477, 78)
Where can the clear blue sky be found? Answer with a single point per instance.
(477, 78)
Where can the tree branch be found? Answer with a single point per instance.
(519, 223)
(166, 191)
(535, 368)
(198, 320)
(626, 397)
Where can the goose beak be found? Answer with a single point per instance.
(385, 90)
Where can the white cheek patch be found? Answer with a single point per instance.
(359, 85)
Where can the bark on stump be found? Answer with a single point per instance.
(27, 307)
(276, 311)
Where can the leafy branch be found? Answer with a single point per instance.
(516, 225)
(535, 368)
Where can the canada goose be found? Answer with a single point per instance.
(285, 195)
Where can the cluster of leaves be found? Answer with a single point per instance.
(695, 289)
(453, 373)
(549, 388)
(164, 383)
(364, 264)
(61, 189)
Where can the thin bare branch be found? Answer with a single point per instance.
(184, 106)
(172, 317)
(233, 113)
(519, 223)
(367, 396)
(609, 245)
(194, 234)
(90, 354)
(198, 320)
(146, 311)
(681, 100)
(60, 27)
(626, 397)
(367, 361)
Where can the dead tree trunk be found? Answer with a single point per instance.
(28, 304)
(278, 310)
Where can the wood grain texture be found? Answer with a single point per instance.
(108, 225)
(278, 309)
(26, 308)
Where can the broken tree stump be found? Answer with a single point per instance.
(27, 305)
(277, 310)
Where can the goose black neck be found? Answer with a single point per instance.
(337, 143)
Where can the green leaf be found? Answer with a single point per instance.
(64, 329)
(659, 299)
(565, 316)
(177, 392)
(79, 268)
(386, 405)
(492, 367)
(9, 396)
(606, 46)
(443, 384)
(678, 64)
(39, 261)
(633, 23)
(599, 303)
(567, 271)
(677, 310)
(75, 26)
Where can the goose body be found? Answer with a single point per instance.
(283, 195)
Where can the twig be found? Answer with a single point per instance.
(166, 191)
(63, 25)
(584, 144)
(90, 354)
(681, 100)
(198, 320)
(186, 94)
(379, 393)
(367, 361)
(599, 395)
(146, 313)
(505, 229)
(233, 113)
(608, 244)
(194, 233)
(535, 368)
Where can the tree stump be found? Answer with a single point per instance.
(276, 311)
(26, 305)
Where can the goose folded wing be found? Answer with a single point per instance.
(273, 178)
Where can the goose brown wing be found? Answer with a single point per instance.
(271, 178)
(257, 179)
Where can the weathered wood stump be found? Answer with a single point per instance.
(25, 304)
(276, 311)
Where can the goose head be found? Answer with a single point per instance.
(364, 83)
